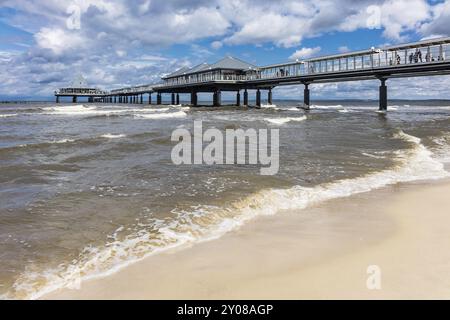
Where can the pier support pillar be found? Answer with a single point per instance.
(258, 98)
(178, 99)
(149, 98)
(158, 99)
(383, 95)
(141, 99)
(173, 99)
(57, 99)
(306, 96)
(238, 99)
(245, 97)
(217, 98)
(269, 97)
(194, 99)
(74, 99)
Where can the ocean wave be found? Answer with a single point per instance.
(281, 121)
(270, 106)
(178, 114)
(92, 111)
(326, 107)
(8, 115)
(203, 223)
(113, 136)
(442, 151)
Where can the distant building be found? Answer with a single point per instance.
(228, 68)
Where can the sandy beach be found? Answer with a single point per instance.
(322, 252)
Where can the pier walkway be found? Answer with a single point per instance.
(424, 58)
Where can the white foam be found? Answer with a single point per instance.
(8, 115)
(81, 110)
(326, 107)
(373, 156)
(63, 141)
(442, 152)
(270, 106)
(281, 121)
(205, 223)
(178, 114)
(113, 136)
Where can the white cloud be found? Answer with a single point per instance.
(216, 45)
(59, 40)
(305, 53)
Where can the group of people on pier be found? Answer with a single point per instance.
(416, 57)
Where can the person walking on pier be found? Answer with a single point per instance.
(411, 57)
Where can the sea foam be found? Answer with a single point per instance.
(281, 121)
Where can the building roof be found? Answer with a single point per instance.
(199, 68)
(178, 72)
(227, 63)
(232, 63)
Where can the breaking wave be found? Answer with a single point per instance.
(113, 136)
(170, 115)
(203, 223)
(281, 121)
(8, 115)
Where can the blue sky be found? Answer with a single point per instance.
(45, 44)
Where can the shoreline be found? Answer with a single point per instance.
(321, 252)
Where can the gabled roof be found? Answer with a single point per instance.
(178, 72)
(232, 63)
(229, 63)
(200, 67)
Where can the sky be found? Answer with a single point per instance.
(46, 44)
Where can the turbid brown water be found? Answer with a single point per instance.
(87, 189)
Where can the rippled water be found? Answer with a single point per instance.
(87, 189)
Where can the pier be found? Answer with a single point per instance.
(418, 59)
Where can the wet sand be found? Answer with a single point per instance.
(322, 252)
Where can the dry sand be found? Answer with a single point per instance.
(318, 253)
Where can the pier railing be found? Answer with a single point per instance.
(81, 91)
(420, 53)
(391, 57)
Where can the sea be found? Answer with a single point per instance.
(88, 189)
